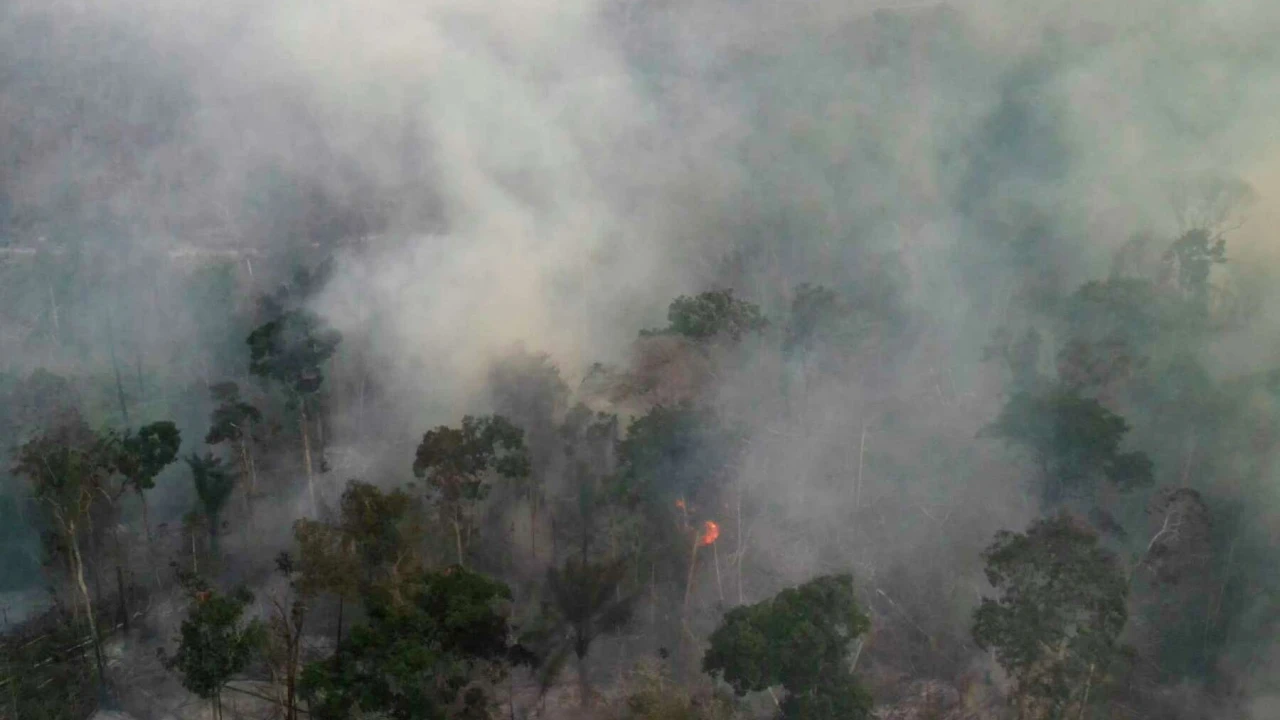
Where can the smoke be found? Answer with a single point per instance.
(551, 173)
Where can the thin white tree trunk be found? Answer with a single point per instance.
(306, 457)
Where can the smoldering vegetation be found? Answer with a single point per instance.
(542, 289)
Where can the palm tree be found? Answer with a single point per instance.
(585, 604)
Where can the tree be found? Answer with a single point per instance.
(232, 422)
(1172, 608)
(290, 350)
(798, 639)
(674, 453)
(69, 468)
(1194, 254)
(373, 546)
(712, 314)
(456, 463)
(1059, 609)
(143, 455)
(214, 643)
(1075, 440)
(213, 484)
(586, 602)
(434, 656)
(527, 389)
(284, 636)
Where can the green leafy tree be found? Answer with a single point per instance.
(586, 602)
(1075, 440)
(712, 314)
(373, 546)
(215, 642)
(800, 640)
(675, 453)
(1131, 310)
(290, 351)
(143, 455)
(672, 458)
(232, 422)
(1059, 609)
(457, 463)
(213, 484)
(1194, 254)
(436, 655)
(70, 469)
(1172, 584)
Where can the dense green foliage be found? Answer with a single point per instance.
(456, 464)
(435, 655)
(712, 314)
(292, 349)
(799, 639)
(1056, 620)
(215, 643)
(1076, 442)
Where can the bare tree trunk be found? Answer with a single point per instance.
(653, 597)
(741, 537)
(213, 536)
(138, 367)
(121, 599)
(337, 645)
(250, 473)
(457, 535)
(715, 554)
(306, 456)
(146, 516)
(857, 487)
(584, 682)
(88, 605)
(115, 365)
(1084, 703)
(533, 526)
(53, 314)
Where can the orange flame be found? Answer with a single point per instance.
(680, 503)
(710, 531)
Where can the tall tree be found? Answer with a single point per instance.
(285, 633)
(69, 469)
(375, 545)
(1075, 440)
(215, 643)
(213, 484)
(799, 640)
(586, 602)
(435, 656)
(143, 455)
(291, 350)
(710, 315)
(527, 389)
(457, 462)
(232, 422)
(673, 459)
(1059, 609)
(1194, 254)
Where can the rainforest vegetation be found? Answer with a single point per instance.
(768, 395)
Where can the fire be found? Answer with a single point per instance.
(710, 531)
(680, 503)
